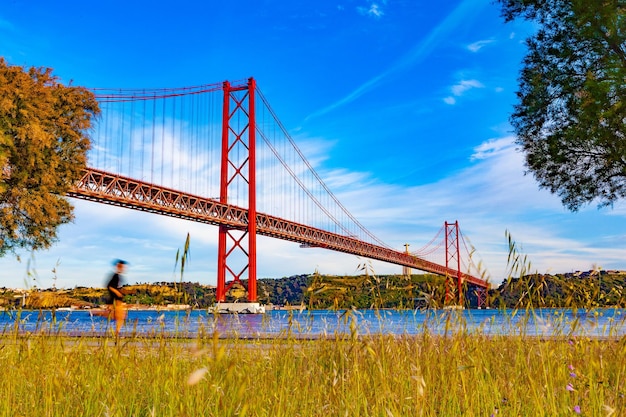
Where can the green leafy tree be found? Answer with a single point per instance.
(43, 147)
(570, 119)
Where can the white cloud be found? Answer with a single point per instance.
(374, 10)
(492, 146)
(477, 46)
(465, 85)
(449, 100)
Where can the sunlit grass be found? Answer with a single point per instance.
(447, 368)
(348, 374)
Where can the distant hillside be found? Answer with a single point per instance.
(597, 289)
(587, 289)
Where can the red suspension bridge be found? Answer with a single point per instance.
(218, 154)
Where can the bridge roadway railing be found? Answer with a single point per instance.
(103, 187)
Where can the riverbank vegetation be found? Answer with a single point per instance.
(586, 289)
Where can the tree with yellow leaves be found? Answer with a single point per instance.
(43, 147)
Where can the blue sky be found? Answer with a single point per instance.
(405, 101)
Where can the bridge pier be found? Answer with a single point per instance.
(239, 308)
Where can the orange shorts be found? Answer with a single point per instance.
(119, 310)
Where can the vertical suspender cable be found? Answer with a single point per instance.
(162, 141)
(107, 134)
(99, 139)
(131, 134)
(194, 138)
(195, 172)
(153, 139)
(192, 133)
(204, 165)
(120, 155)
(143, 138)
(189, 129)
(208, 112)
(172, 139)
(261, 158)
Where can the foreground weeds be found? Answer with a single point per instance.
(454, 373)
(348, 375)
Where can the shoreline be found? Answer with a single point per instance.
(337, 337)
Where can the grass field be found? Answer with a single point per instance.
(346, 375)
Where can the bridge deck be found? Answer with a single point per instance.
(104, 187)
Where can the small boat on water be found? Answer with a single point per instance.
(101, 312)
(453, 307)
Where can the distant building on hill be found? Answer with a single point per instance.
(593, 272)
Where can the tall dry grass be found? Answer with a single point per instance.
(455, 374)
(460, 374)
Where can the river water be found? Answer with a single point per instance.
(602, 323)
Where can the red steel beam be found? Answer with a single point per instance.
(103, 187)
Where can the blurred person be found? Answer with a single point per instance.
(117, 307)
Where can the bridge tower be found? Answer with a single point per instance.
(453, 260)
(406, 270)
(237, 246)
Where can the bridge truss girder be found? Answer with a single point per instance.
(103, 187)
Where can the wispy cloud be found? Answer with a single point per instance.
(477, 46)
(421, 50)
(374, 11)
(465, 85)
(492, 147)
(350, 97)
(461, 88)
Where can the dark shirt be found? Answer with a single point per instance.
(114, 282)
